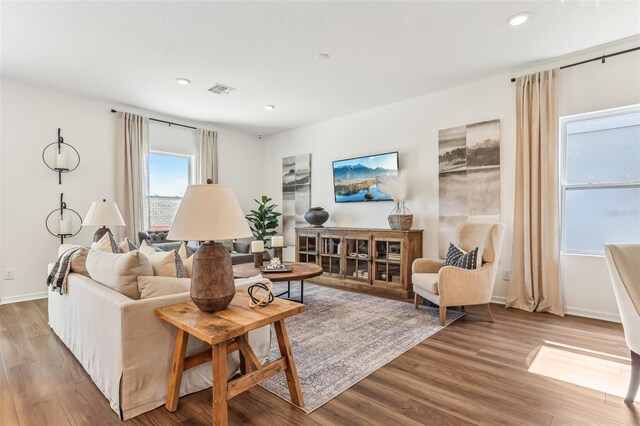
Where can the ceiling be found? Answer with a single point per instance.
(381, 52)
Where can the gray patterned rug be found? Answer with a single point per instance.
(344, 336)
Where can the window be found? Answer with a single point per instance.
(600, 179)
(169, 175)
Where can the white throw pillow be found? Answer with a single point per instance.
(188, 266)
(107, 243)
(119, 271)
(148, 249)
(126, 246)
(162, 286)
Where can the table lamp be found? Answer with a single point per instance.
(210, 212)
(103, 213)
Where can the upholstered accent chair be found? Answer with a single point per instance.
(451, 286)
(623, 261)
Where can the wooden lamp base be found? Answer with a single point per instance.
(100, 233)
(212, 285)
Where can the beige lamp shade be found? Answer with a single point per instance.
(103, 213)
(209, 212)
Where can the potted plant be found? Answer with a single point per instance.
(396, 187)
(264, 220)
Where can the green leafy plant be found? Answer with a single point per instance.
(264, 220)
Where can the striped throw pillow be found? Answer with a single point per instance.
(460, 258)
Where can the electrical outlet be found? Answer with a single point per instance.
(9, 274)
(506, 275)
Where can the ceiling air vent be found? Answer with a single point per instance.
(221, 89)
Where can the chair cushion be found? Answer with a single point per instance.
(426, 282)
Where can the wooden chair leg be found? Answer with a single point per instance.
(443, 315)
(634, 380)
(487, 310)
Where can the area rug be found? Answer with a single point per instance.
(345, 336)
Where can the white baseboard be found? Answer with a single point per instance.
(501, 300)
(590, 313)
(24, 297)
(570, 310)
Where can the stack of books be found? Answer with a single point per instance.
(393, 256)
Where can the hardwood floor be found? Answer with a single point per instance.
(471, 373)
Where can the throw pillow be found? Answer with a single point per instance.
(119, 271)
(78, 260)
(167, 264)
(188, 266)
(126, 246)
(148, 249)
(460, 258)
(107, 243)
(162, 286)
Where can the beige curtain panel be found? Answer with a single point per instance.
(207, 156)
(132, 190)
(535, 265)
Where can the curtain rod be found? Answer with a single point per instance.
(602, 58)
(170, 123)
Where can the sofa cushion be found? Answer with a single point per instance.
(426, 282)
(162, 286)
(119, 271)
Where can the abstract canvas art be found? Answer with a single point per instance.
(296, 194)
(469, 170)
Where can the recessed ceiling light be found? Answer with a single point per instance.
(269, 107)
(183, 81)
(323, 56)
(518, 19)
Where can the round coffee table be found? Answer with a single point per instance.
(299, 271)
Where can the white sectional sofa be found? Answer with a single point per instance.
(126, 349)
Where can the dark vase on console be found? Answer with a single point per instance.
(316, 216)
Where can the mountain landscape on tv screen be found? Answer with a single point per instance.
(358, 182)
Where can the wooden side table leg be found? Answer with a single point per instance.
(295, 391)
(219, 361)
(177, 367)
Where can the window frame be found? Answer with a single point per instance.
(191, 179)
(564, 186)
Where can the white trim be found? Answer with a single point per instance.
(579, 312)
(24, 297)
(501, 300)
(590, 313)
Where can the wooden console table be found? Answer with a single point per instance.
(226, 332)
(371, 260)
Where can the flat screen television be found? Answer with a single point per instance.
(355, 179)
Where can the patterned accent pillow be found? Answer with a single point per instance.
(461, 259)
(181, 271)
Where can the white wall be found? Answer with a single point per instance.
(29, 191)
(411, 127)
